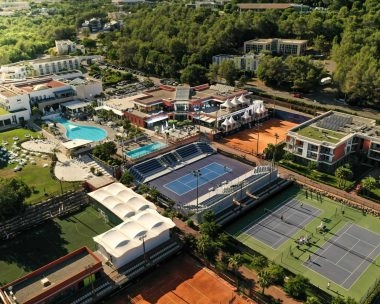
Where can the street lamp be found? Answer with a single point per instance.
(276, 136)
(142, 238)
(258, 124)
(197, 174)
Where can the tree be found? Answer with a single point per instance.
(297, 286)
(312, 300)
(264, 280)
(272, 70)
(368, 183)
(229, 72)
(13, 193)
(127, 178)
(343, 173)
(236, 260)
(276, 273)
(259, 262)
(194, 74)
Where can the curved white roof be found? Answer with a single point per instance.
(100, 194)
(115, 188)
(110, 202)
(132, 229)
(124, 209)
(139, 216)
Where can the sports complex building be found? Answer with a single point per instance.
(330, 138)
(196, 178)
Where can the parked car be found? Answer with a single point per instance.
(298, 95)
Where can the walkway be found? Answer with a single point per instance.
(285, 173)
(275, 291)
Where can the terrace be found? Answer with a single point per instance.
(321, 134)
(3, 111)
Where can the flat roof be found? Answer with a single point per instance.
(71, 144)
(270, 40)
(40, 84)
(52, 59)
(76, 104)
(332, 127)
(153, 96)
(79, 264)
(264, 6)
(124, 103)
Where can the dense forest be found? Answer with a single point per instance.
(170, 39)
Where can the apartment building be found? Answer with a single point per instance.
(247, 62)
(65, 47)
(39, 67)
(280, 46)
(332, 137)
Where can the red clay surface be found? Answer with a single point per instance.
(181, 281)
(246, 140)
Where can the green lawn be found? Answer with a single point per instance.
(3, 111)
(42, 244)
(35, 176)
(292, 258)
(20, 133)
(321, 177)
(321, 135)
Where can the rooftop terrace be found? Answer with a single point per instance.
(59, 272)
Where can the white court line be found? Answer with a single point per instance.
(368, 256)
(349, 251)
(330, 243)
(372, 245)
(353, 236)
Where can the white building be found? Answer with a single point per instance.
(14, 106)
(280, 46)
(39, 67)
(247, 62)
(65, 47)
(142, 228)
(86, 88)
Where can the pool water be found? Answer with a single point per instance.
(144, 150)
(74, 131)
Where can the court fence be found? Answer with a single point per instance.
(35, 214)
(371, 294)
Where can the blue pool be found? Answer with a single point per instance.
(144, 150)
(74, 131)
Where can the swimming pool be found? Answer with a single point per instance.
(74, 131)
(144, 150)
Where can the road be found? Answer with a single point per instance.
(322, 97)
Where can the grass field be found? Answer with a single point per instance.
(334, 219)
(40, 245)
(35, 176)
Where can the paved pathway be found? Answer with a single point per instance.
(285, 173)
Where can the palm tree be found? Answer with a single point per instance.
(343, 173)
(368, 183)
(236, 261)
(204, 243)
(264, 279)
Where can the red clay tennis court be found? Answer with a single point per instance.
(246, 140)
(182, 281)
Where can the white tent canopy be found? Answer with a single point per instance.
(246, 115)
(244, 100)
(227, 104)
(235, 101)
(141, 222)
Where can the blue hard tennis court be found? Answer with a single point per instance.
(188, 182)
